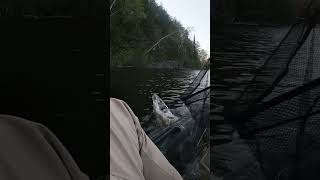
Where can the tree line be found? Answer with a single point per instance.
(142, 32)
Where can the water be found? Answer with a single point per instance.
(239, 50)
(136, 86)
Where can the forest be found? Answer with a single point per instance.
(142, 33)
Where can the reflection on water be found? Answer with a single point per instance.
(238, 51)
(136, 86)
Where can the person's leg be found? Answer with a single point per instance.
(29, 150)
(132, 154)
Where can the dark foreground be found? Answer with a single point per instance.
(52, 73)
(277, 115)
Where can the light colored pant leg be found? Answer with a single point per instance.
(133, 156)
(29, 150)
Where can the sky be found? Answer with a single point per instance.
(192, 13)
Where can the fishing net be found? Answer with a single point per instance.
(197, 99)
(184, 141)
(277, 115)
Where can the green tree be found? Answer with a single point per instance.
(142, 32)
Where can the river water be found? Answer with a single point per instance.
(136, 86)
(239, 50)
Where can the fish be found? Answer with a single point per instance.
(161, 112)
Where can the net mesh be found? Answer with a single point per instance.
(186, 140)
(278, 113)
(197, 99)
(276, 66)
